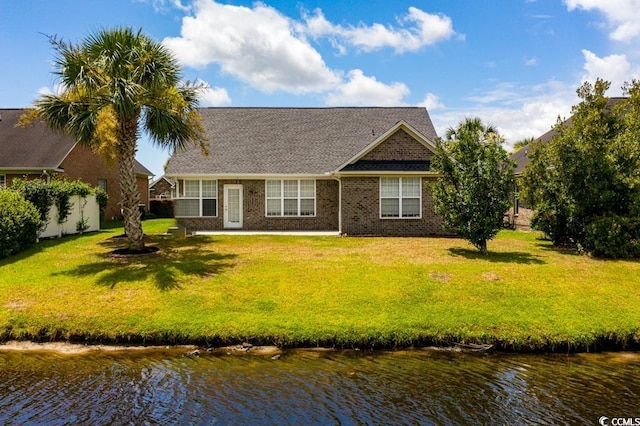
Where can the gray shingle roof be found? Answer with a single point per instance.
(35, 147)
(290, 140)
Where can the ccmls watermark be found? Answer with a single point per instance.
(619, 421)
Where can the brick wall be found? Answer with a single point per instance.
(399, 146)
(161, 187)
(253, 210)
(83, 164)
(522, 221)
(361, 211)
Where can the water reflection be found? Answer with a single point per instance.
(313, 387)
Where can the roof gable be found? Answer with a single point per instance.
(294, 141)
(169, 181)
(401, 143)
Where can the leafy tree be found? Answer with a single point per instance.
(590, 169)
(115, 84)
(476, 183)
(522, 143)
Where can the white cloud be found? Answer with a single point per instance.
(57, 89)
(622, 15)
(361, 90)
(215, 96)
(521, 112)
(502, 92)
(45, 91)
(518, 112)
(431, 102)
(613, 68)
(530, 62)
(259, 46)
(417, 29)
(163, 6)
(271, 52)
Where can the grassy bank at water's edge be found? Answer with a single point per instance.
(327, 291)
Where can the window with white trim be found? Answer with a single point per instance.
(401, 197)
(196, 198)
(3, 181)
(290, 198)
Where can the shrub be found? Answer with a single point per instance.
(613, 236)
(161, 208)
(43, 195)
(19, 223)
(101, 197)
(37, 192)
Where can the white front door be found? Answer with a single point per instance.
(233, 206)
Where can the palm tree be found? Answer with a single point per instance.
(116, 84)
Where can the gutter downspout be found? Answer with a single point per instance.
(337, 177)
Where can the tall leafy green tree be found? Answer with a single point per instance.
(590, 169)
(476, 184)
(115, 84)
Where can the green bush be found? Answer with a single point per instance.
(43, 195)
(101, 197)
(37, 192)
(161, 208)
(19, 223)
(613, 236)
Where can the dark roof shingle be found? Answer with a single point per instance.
(35, 147)
(290, 140)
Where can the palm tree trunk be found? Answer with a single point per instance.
(129, 186)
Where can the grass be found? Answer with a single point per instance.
(326, 291)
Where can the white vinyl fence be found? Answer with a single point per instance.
(85, 211)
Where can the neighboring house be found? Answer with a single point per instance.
(37, 152)
(357, 171)
(162, 188)
(520, 214)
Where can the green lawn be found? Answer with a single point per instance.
(308, 291)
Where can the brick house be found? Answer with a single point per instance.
(36, 152)
(161, 188)
(356, 171)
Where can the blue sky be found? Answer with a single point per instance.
(513, 63)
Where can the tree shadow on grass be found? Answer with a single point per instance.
(547, 246)
(45, 243)
(176, 262)
(519, 257)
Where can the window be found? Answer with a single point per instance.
(3, 181)
(197, 198)
(290, 198)
(400, 197)
(102, 183)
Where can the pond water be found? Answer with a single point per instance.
(165, 387)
